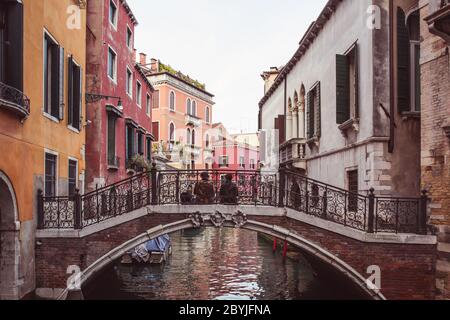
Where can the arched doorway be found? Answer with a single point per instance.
(9, 240)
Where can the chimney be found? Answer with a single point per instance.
(142, 58)
(154, 65)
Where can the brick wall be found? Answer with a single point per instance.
(400, 264)
(435, 73)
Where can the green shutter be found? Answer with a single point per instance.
(403, 63)
(70, 90)
(55, 80)
(317, 112)
(310, 116)
(61, 83)
(342, 89)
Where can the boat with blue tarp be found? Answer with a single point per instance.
(155, 251)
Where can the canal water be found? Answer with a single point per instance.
(220, 264)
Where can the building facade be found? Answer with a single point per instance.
(182, 116)
(435, 78)
(347, 108)
(234, 152)
(42, 124)
(119, 134)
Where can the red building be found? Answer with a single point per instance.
(119, 96)
(234, 152)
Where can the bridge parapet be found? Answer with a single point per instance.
(285, 189)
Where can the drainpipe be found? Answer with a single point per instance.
(391, 78)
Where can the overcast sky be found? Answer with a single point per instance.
(225, 44)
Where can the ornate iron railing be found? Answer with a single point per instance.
(15, 100)
(366, 213)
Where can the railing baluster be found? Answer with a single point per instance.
(325, 204)
(371, 218)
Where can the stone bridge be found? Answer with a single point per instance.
(95, 230)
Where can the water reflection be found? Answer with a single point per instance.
(223, 264)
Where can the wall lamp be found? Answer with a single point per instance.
(93, 97)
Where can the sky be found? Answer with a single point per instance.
(225, 44)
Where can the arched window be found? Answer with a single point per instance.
(193, 137)
(207, 141)
(290, 105)
(295, 100)
(207, 116)
(188, 107)
(172, 132)
(172, 101)
(194, 108)
(188, 136)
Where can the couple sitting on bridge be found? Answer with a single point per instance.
(205, 194)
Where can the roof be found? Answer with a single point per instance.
(130, 12)
(309, 37)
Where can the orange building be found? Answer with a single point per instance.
(42, 136)
(182, 117)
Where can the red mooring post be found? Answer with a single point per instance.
(274, 245)
(285, 247)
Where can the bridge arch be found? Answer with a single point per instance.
(9, 240)
(272, 230)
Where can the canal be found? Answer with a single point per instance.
(219, 264)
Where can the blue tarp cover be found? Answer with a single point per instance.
(160, 244)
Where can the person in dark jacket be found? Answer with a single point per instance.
(228, 191)
(204, 190)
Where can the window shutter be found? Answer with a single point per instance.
(80, 106)
(156, 99)
(342, 89)
(310, 116)
(356, 59)
(70, 90)
(317, 112)
(403, 62)
(55, 80)
(14, 45)
(76, 121)
(155, 130)
(61, 83)
(282, 125)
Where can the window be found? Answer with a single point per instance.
(112, 159)
(207, 116)
(171, 136)
(194, 108)
(313, 113)
(155, 130)
(112, 64)
(130, 152)
(50, 175)
(140, 143)
(223, 161)
(242, 162)
(353, 188)
(207, 141)
(193, 138)
(252, 164)
(129, 38)
(149, 149)
(74, 94)
(11, 44)
(113, 13)
(148, 104)
(129, 83)
(188, 136)
(188, 107)
(347, 86)
(408, 64)
(172, 101)
(155, 99)
(72, 177)
(53, 78)
(138, 93)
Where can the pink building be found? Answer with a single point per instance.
(234, 152)
(118, 93)
(182, 116)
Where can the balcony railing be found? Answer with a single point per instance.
(14, 100)
(193, 121)
(293, 153)
(192, 150)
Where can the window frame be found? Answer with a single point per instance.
(148, 104)
(72, 159)
(69, 125)
(115, 23)
(114, 78)
(56, 155)
(172, 108)
(129, 38)
(222, 163)
(139, 94)
(108, 136)
(208, 115)
(48, 115)
(129, 82)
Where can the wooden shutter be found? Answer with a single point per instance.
(155, 130)
(55, 80)
(14, 45)
(80, 106)
(156, 99)
(76, 120)
(61, 84)
(342, 89)
(403, 63)
(310, 115)
(318, 112)
(356, 62)
(70, 90)
(282, 127)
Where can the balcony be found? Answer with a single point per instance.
(14, 101)
(192, 150)
(293, 154)
(193, 121)
(439, 19)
